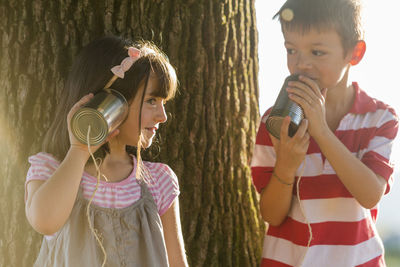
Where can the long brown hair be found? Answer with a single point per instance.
(92, 70)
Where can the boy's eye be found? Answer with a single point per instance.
(290, 51)
(318, 53)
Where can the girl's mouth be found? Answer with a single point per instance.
(151, 129)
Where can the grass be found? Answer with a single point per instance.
(392, 260)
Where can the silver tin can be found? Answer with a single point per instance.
(104, 113)
(284, 107)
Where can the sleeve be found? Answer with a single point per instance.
(377, 156)
(264, 157)
(42, 166)
(168, 188)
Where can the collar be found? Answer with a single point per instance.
(363, 103)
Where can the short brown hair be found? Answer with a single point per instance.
(342, 15)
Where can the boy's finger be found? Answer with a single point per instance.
(274, 141)
(285, 128)
(310, 83)
(302, 130)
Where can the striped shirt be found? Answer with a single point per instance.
(344, 232)
(121, 194)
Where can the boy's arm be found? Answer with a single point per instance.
(276, 197)
(364, 185)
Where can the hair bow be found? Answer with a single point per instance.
(126, 64)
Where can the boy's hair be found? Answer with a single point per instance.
(344, 16)
(91, 71)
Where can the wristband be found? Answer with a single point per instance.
(281, 180)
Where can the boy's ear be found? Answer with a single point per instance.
(358, 52)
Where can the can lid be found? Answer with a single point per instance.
(98, 126)
(274, 125)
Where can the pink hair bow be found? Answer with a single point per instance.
(126, 64)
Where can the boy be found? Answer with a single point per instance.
(319, 189)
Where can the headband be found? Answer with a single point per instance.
(126, 64)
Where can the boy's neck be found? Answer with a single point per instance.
(340, 99)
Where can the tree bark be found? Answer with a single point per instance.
(209, 136)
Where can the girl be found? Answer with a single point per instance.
(133, 214)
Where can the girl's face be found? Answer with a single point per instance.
(318, 55)
(153, 113)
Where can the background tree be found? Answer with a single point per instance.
(210, 134)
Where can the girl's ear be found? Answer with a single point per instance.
(358, 52)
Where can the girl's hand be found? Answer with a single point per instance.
(73, 140)
(311, 98)
(290, 151)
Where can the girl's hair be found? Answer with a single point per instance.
(344, 16)
(92, 70)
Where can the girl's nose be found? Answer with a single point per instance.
(161, 115)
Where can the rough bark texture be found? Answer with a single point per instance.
(209, 136)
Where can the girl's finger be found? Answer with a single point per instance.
(79, 104)
(83, 101)
(112, 135)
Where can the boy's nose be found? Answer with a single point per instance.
(302, 62)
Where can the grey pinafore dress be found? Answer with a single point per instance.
(131, 236)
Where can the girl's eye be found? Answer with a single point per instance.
(318, 53)
(151, 101)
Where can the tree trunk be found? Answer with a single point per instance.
(207, 140)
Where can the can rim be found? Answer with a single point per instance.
(82, 137)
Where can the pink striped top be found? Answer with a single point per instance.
(114, 195)
(344, 232)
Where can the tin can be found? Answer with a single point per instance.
(284, 107)
(104, 113)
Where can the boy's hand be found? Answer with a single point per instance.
(311, 98)
(290, 151)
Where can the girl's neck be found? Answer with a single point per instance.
(116, 165)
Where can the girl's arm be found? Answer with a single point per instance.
(276, 197)
(173, 236)
(49, 203)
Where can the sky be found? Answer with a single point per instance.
(376, 73)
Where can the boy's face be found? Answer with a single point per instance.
(318, 55)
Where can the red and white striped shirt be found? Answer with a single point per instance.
(114, 195)
(344, 233)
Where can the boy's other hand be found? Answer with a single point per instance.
(291, 151)
(311, 98)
